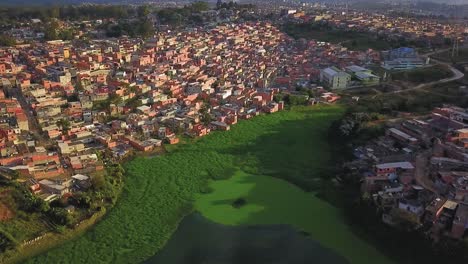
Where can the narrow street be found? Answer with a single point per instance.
(32, 121)
(421, 173)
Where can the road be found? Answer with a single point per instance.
(32, 121)
(457, 75)
(421, 173)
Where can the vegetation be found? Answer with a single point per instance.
(350, 39)
(6, 40)
(75, 12)
(160, 191)
(419, 101)
(6, 242)
(33, 217)
(139, 28)
(185, 15)
(460, 57)
(423, 75)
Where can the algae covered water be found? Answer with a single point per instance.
(198, 240)
(252, 158)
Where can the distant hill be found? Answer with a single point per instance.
(64, 2)
(75, 2)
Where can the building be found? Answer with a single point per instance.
(365, 76)
(390, 170)
(335, 78)
(401, 59)
(460, 221)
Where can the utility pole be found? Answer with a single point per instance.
(454, 47)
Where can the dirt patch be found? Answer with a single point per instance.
(5, 212)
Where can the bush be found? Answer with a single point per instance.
(238, 203)
(7, 242)
(59, 216)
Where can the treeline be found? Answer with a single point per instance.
(87, 12)
(183, 15)
(423, 75)
(81, 12)
(6, 40)
(234, 5)
(139, 28)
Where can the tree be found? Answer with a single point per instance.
(14, 175)
(143, 11)
(64, 124)
(146, 29)
(199, 6)
(115, 99)
(50, 32)
(66, 35)
(54, 12)
(6, 242)
(6, 40)
(81, 200)
(59, 216)
(98, 181)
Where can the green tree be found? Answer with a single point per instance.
(51, 31)
(200, 6)
(98, 182)
(64, 124)
(6, 242)
(66, 34)
(143, 11)
(6, 40)
(59, 216)
(146, 29)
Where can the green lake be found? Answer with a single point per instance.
(257, 160)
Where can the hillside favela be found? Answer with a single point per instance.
(234, 132)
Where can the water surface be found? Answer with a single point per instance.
(198, 240)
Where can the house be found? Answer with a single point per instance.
(401, 136)
(216, 125)
(412, 206)
(52, 187)
(460, 221)
(390, 170)
(199, 130)
(365, 76)
(434, 209)
(401, 59)
(144, 146)
(172, 139)
(82, 181)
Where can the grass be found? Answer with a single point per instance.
(446, 56)
(160, 191)
(51, 239)
(423, 75)
(274, 201)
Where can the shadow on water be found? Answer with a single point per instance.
(198, 240)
